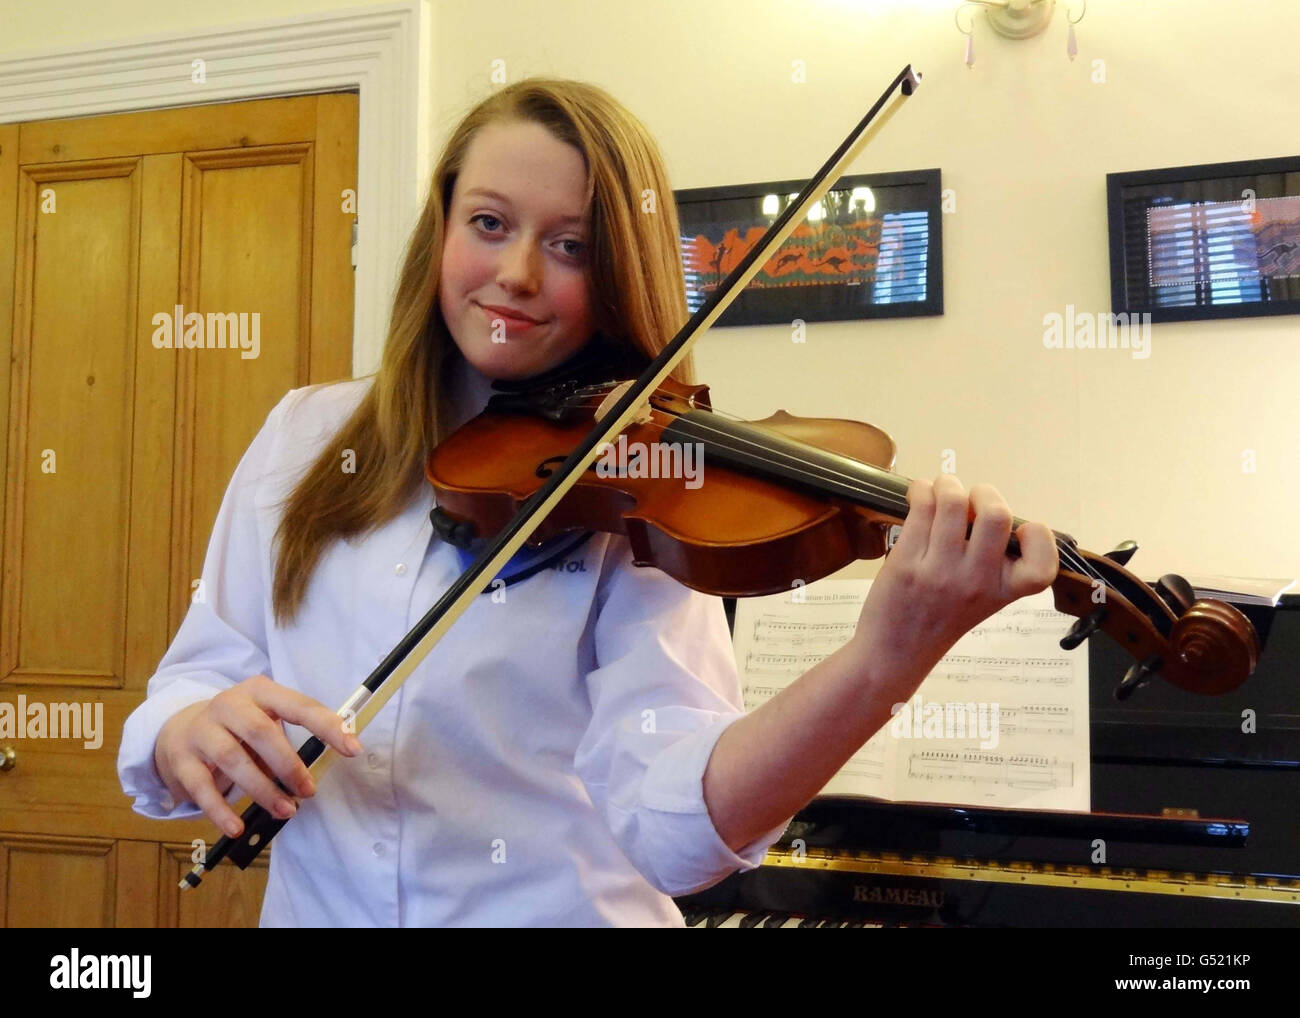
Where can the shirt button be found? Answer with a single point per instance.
(378, 848)
(400, 569)
(373, 760)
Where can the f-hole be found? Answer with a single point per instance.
(548, 465)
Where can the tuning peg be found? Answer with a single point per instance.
(1083, 628)
(1123, 552)
(1175, 592)
(1137, 677)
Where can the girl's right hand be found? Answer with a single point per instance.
(235, 738)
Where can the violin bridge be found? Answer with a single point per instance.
(644, 413)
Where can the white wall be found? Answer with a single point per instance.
(1096, 443)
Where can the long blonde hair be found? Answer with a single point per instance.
(636, 288)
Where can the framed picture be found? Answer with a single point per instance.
(1214, 241)
(872, 248)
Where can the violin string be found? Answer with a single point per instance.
(899, 505)
(1065, 550)
(818, 471)
(797, 464)
(891, 499)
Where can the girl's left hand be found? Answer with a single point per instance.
(936, 585)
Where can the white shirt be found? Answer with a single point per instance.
(544, 764)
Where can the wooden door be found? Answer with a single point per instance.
(119, 451)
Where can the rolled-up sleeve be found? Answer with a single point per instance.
(664, 690)
(221, 641)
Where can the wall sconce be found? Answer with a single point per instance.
(1016, 19)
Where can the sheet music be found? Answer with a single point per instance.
(1002, 720)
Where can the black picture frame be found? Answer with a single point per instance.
(835, 273)
(1196, 264)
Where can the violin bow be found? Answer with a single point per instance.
(260, 826)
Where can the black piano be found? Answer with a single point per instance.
(1195, 823)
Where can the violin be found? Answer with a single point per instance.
(783, 501)
(786, 499)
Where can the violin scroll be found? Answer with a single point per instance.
(1215, 648)
(1203, 646)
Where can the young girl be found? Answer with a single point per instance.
(572, 754)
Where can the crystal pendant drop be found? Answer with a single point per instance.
(1071, 46)
(970, 50)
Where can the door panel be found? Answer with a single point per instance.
(227, 210)
(245, 255)
(71, 436)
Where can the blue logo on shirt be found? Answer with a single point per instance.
(529, 561)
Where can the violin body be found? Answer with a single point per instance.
(709, 525)
(745, 508)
